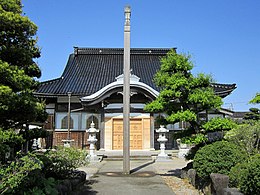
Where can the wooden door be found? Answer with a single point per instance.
(117, 134)
(136, 134)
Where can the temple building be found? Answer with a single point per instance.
(94, 78)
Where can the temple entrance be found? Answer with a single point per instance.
(136, 134)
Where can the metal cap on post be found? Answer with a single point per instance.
(126, 93)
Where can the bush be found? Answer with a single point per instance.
(219, 124)
(235, 174)
(14, 176)
(38, 173)
(8, 140)
(218, 157)
(246, 136)
(246, 176)
(60, 162)
(194, 139)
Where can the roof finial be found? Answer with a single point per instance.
(127, 15)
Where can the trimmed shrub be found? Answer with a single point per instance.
(248, 179)
(60, 162)
(235, 174)
(218, 157)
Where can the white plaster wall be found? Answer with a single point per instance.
(61, 115)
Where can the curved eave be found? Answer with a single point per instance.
(224, 89)
(224, 93)
(117, 86)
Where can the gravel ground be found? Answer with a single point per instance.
(180, 186)
(170, 172)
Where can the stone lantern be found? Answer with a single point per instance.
(92, 139)
(162, 139)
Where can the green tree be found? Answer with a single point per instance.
(182, 94)
(256, 99)
(18, 71)
(219, 124)
(254, 113)
(246, 136)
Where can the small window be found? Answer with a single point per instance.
(64, 123)
(95, 121)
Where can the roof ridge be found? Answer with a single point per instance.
(224, 84)
(102, 50)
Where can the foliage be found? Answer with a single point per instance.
(45, 186)
(39, 173)
(249, 180)
(236, 172)
(182, 94)
(18, 71)
(256, 99)
(194, 139)
(16, 174)
(18, 75)
(246, 136)
(219, 124)
(25, 176)
(63, 160)
(254, 114)
(8, 139)
(218, 157)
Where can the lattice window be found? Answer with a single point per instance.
(64, 123)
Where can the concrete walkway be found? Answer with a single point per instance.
(145, 179)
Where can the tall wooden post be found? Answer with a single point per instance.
(68, 116)
(126, 93)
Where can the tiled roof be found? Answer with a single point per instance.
(223, 89)
(90, 69)
(240, 115)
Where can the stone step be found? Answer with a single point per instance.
(114, 155)
(132, 158)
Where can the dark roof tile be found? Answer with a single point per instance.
(90, 69)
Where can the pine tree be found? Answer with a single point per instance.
(182, 94)
(18, 71)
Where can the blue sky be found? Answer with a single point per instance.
(222, 36)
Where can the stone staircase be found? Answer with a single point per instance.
(117, 155)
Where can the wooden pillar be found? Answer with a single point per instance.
(151, 131)
(68, 116)
(102, 129)
(126, 94)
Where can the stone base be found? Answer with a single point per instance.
(182, 152)
(93, 158)
(161, 158)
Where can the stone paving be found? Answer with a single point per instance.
(147, 177)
